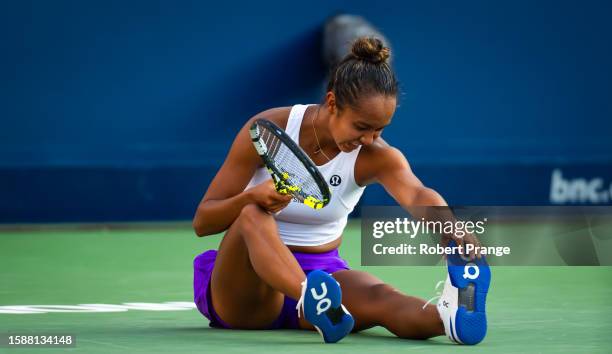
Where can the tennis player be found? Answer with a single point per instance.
(278, 264)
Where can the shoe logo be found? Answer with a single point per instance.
(323, 303)
(467, 274)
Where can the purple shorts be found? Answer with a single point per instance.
(203, 266)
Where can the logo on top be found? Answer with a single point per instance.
(335, 180)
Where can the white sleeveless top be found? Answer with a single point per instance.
(300, 225)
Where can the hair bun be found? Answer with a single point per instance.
(370, 49)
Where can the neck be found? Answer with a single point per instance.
(321, 126)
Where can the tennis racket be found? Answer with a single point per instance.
(293, 172)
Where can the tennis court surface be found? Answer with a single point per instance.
(530, 309)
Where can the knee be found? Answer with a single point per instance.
(380, 293)
(377, 305)
(251, 217)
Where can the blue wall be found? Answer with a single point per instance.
(123, 110)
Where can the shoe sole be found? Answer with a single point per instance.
(472, 279)
(334, 293)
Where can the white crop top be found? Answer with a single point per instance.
(300, 225)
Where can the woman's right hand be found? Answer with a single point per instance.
(266, 196)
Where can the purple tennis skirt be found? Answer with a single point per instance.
(203, 266)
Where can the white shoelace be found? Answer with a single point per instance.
(438, 294)
(300, 302)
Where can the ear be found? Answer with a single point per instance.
(330, 103)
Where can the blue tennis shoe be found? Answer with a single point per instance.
(462, 303)
(321, 304)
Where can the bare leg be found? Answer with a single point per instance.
(253, 271)
(374, 303)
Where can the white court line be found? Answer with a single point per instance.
(91, 308)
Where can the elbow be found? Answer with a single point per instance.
(200, 228)
(197, 228)
(428, 197)
(198, 231)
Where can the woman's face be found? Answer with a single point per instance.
(361, 125)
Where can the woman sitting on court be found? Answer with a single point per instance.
(278, 264)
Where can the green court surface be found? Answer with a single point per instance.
(530, 309)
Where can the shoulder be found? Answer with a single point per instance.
(278, 116)
(241, 150)
(377, 158)
(381, 153)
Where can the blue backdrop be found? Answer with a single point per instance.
(124, 110)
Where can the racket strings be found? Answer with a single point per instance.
(288, 164)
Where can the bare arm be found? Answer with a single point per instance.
(225, 197)
(395, 174)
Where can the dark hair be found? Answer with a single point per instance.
(364, 71)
